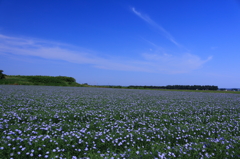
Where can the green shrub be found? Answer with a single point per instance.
(2, 76)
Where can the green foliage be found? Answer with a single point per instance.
(114, 86)
(66, 79)
(2, 76)
(40, 80)
(46, 80)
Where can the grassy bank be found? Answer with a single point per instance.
(40, 80)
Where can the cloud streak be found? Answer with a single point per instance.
(57, 51)
(49, 50)
(175, 64)
(154, 24)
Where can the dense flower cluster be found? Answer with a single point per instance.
(73, 122)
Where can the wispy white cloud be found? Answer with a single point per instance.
(57, 51)
(169, 63)
(158, 62)
(165, 62)
(154, 24)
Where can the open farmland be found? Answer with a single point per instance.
(78, 122)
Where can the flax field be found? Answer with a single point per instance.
(80, 122)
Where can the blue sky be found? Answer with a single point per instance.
(123, 42)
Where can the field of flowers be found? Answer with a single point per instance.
(78, 122)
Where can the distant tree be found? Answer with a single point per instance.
(2, 76)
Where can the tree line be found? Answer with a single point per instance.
(183, 87)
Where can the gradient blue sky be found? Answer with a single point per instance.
(123, 42)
